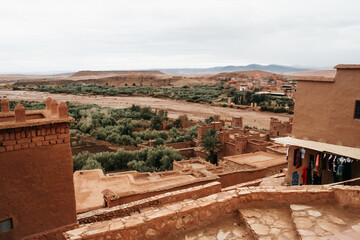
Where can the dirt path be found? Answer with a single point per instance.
(195, 111)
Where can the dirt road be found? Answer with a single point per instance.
(175, 108)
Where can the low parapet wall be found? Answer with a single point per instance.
(232, 178)
(187, 152)
(180, 145)
(180, 216)
(112, 199)
(168, 197)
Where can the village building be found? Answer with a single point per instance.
(324, 146)
(235, 139)
(280, 128)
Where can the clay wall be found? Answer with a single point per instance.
(224, 136)
(237, 122)
(36, 172)
(231, 178)
(161, 199)
(185, 122)
(201, 131)
(112, 200)
(243, 144)
(32, 137)
(324, 110)
(187, 152)
(201, 154)
(280, 129)
(180, 145)
(232, 148)
(217, 125)
(256, 145)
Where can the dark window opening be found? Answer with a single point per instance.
(357, 109)
(6, 225)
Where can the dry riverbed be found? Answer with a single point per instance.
(195, 111)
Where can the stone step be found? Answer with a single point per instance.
(323, 221)
(351, 234)
(269, 223)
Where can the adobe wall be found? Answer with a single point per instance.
(187, 152)
(180, 145)
(237, 122)
(256, 145)
(161, 199)
(36, 171)
(280, 129)
(32, 137)
(201, 131)
(36, 177)
(201, 154)
(232, 178)
(324, 111)
(112, 200)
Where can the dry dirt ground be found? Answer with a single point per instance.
(175, 108)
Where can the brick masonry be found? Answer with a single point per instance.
(31, 137)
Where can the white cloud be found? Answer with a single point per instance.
(41, 35)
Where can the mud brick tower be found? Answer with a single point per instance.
(237, 122)
(36, 181)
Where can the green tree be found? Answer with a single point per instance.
(209, 119)
(236, 99)
(210, 142)
(177, 123)
(156, 122)
(163, 114)
(248, 96)
(92, 164)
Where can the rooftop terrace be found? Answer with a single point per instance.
(54, 113)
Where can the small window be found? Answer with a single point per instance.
(357, 110)
(6, 224)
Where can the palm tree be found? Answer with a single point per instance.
(210, 142)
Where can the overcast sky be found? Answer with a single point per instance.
(71, 35)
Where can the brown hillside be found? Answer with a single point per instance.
(81, 75)
(243, 74)
(15, 77)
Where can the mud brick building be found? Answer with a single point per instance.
(37, 189)
(280, 128)
(326, 124)
(235, 140)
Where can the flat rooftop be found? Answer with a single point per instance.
(258, 160)
(91, 184)
(347, 66)
(315, 79)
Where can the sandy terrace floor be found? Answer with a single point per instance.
(175, 108)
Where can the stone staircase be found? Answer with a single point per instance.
(302, 222)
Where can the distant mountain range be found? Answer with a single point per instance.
(268, 68)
